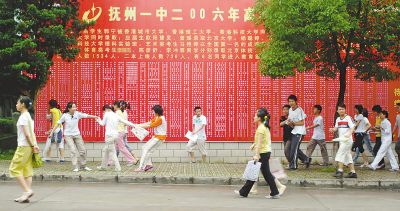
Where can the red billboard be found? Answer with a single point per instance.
(181, 54)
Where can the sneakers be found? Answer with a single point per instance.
(351, 175)
(139, 170)
(272, 197)
(238, 193)
(338, 174)
(87, 168)
(308, 162)
(75, 170)
(282, 190)
(393, 170)
(365, 165)
(148, 167)
(381, 167)
(46, 160)
(61, 161)
(100, 168)
(324, 164)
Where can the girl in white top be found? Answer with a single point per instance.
(385, 149)
(120, 145)
(359, 133)
(111, 121)
(72, 135)
(160, 133)
(21, 165)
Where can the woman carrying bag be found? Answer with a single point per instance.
(21, 166)
(262, 146)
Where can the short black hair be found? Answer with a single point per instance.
(342, 105)
(158, 110)
(365, 112)
(318, 107)
(292, 97)
(108, 107)
(286, 106)
(197, 107)
(377, 108)
(384, 112)
(398, 104)
(359, 108)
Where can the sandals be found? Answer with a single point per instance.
(25, 198)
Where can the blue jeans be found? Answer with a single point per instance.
(126, 144)
(366, 141)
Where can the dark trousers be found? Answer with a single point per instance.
(286, 146)
(378, 143)
(269, 178)
(295, 152)
(397, 148)
(358, 143)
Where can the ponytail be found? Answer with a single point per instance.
(28, 105)
(264, 116)
(69, 105)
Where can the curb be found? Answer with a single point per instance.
(148, 179)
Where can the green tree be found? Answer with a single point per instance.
(31, 34)
(329, 35)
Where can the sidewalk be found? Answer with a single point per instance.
(213, 173)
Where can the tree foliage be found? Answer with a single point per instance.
(329, 35)
(31, 34)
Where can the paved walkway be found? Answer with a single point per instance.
(100, 196)
(198, 173)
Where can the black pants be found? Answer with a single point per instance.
(286, 146)
(378, 143)
(397, 148)
(295, 152)
(269, 178)
(358, 143)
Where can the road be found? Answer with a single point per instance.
(99, 196)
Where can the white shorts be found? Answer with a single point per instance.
(343, 155)
(201, 143)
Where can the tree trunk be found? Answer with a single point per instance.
(342, 90)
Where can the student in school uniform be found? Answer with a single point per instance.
(111, 121)
(318, 136)
(366, 140)
(124, 107)
(377, 109)
(287, 131)
(262, 147)
(72, 135)
(199, 122)
(160, 133)
(296, 119)
(21, 167)
(120, 145)
(359, 133)
(386, 147)
(345, 127)
(55, 115)
(397, 126)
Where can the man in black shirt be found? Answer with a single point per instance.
(287, 131)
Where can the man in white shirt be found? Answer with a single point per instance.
(199, 128)
(345, 127)
(296, 120)
(318, 136)
(397, 126)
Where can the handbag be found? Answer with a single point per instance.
(36, 159)
(252, 170)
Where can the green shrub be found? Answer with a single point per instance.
(7, 155)
(6, 126)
